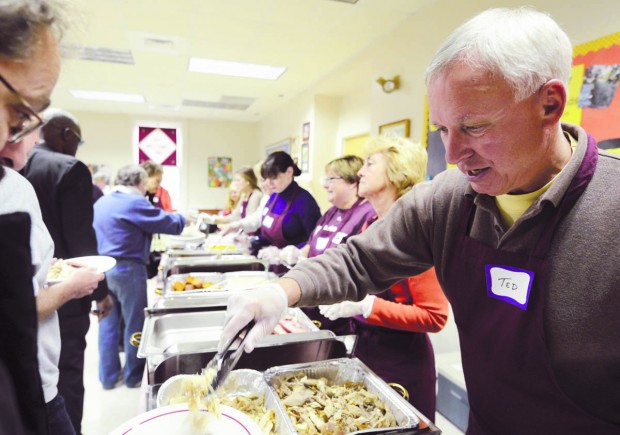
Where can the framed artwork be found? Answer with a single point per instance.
(306, 132)
(399, 128)
(220, 171)
(305, 157)
(283, 145)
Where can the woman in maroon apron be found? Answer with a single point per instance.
(345, 218)
(392, 326)
(291, 212)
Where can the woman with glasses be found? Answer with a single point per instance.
(392, 326)
(291, 212)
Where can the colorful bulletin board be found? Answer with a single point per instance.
(220, 171)
(593, 100)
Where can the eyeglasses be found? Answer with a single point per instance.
(80, 140)
(30, 121)
(328, 180)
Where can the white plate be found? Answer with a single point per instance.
(101, 263)
(176, 419)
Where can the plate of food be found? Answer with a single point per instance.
(180, 420)
(63, 269)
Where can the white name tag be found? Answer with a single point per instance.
(267, 221)
(338, 237)
(509, 284)
(321, 243)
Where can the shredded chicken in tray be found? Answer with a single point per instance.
(316, 407)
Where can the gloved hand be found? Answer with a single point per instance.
(270, 254)
(266, 306)
(230, 227)
(208, 218)
(348, 308)
(242, 241)
(290, 255)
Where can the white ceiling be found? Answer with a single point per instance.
(311, 38)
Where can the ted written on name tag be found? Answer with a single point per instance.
(509, 284)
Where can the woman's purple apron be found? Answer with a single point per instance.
(319, 242)
(272, 226)
(402, 357)
(498, 303)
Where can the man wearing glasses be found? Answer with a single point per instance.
(29, 68)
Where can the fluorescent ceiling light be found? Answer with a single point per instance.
(237, 69)
(107, 96)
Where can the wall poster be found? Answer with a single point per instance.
(157, 144)
(220, 171)
(593, 97)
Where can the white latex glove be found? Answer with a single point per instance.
(230, 227)
(290, 255)
(266, 306)
(270, 254)
(348, 308)
(208, 218)
(242, 241)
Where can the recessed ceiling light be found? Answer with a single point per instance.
(107, 96)
(236, 69)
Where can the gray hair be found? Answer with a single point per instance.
(21, 23)
(526, 47)
(130, 175)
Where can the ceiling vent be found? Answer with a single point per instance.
(225, 103)
(98, 54)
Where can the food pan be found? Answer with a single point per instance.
(186, 332)
(338, 371)
(215, 295)
(224, 263)
(240, 382)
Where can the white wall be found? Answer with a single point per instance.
(108, 140)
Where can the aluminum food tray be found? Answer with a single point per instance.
(168, 334)
(349, 369)
(217, 295)
(213, 263)
(240, 382)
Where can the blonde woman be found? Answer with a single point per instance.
(392, 326)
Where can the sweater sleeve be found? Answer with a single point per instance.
(427, 313)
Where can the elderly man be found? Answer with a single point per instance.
(63, 185)
(29, 68)
(523, 236)
(125, 222)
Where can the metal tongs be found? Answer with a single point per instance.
(223, 363)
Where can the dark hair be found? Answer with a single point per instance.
(277, 163)
(22, 22)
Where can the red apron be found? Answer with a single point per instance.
(498, 301)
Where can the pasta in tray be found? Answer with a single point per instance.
(195, 388)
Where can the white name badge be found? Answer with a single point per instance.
(268, 221)
(338, 237)
(321, 243)
(509, 284)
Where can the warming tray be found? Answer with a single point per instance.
(177, 333)
(213, 263)
(350, 369)
(221, 283)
